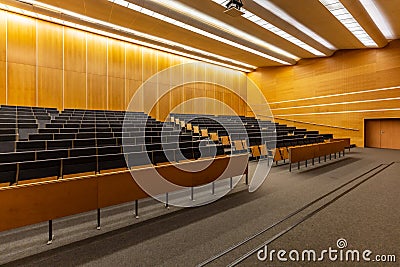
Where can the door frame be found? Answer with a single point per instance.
(375, 118)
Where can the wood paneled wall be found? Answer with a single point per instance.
(335, 91)
(49, 65)
(200, 98)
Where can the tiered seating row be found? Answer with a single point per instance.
(80, 141)
(79, 155)
(54, 164)
(13, 118)
(310, 152)
(257, 134)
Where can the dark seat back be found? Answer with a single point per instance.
(39, 169)
(79, 165)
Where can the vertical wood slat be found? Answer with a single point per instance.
(21, 56)
(50, 64)
(3, 57)
(75, 78)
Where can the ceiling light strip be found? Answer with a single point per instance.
(344, 16)
(275, 30)
(340, 103)
(244, 66)
(379, 19)
(186, 26)
(334, 95)
(286, 17)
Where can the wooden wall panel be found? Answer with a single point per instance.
(97, 91)
(134, 66)
(163, 106)
(116, 59)
(235, 100)
(163, 61)
(21, 40)
(21, 53)
(3, 93)
(57, 66)
(177, 97)
(116, 74)
(358, 106)
(149, 63)
(116, 93)
(3, 57)
(21, 84)
(365, 96)
(200, 94)
(210, 94)
(228, 102)
(219, 96)
(189, 73)
(96, 54)
(74, 50)
(344, 73)
(189, 103)
(50, 45)
(50, 91)
(75, 87)
(50, 64)
(97, 72)
(150, 98)
(132, 87)
(3, 35)
(75, 95)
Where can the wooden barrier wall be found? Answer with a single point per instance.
(49, 65)
(308, 152)
(345, 73)
(39, 202)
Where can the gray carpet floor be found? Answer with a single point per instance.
(367, 217)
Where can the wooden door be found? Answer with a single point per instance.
(373, 133)
(382, 133)
(390, 130)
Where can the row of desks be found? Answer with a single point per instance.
(310, 152)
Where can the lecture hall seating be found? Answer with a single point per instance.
(89, 150)
(265, 139)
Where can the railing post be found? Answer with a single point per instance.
(98, 219)
(137, 209)
(50, 241)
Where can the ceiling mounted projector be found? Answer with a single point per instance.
(233, 8)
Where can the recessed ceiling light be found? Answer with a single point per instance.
(343, 15)
(286, 17)
(272, 28)
(243, 66)
(379, 19)
(210, 21)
